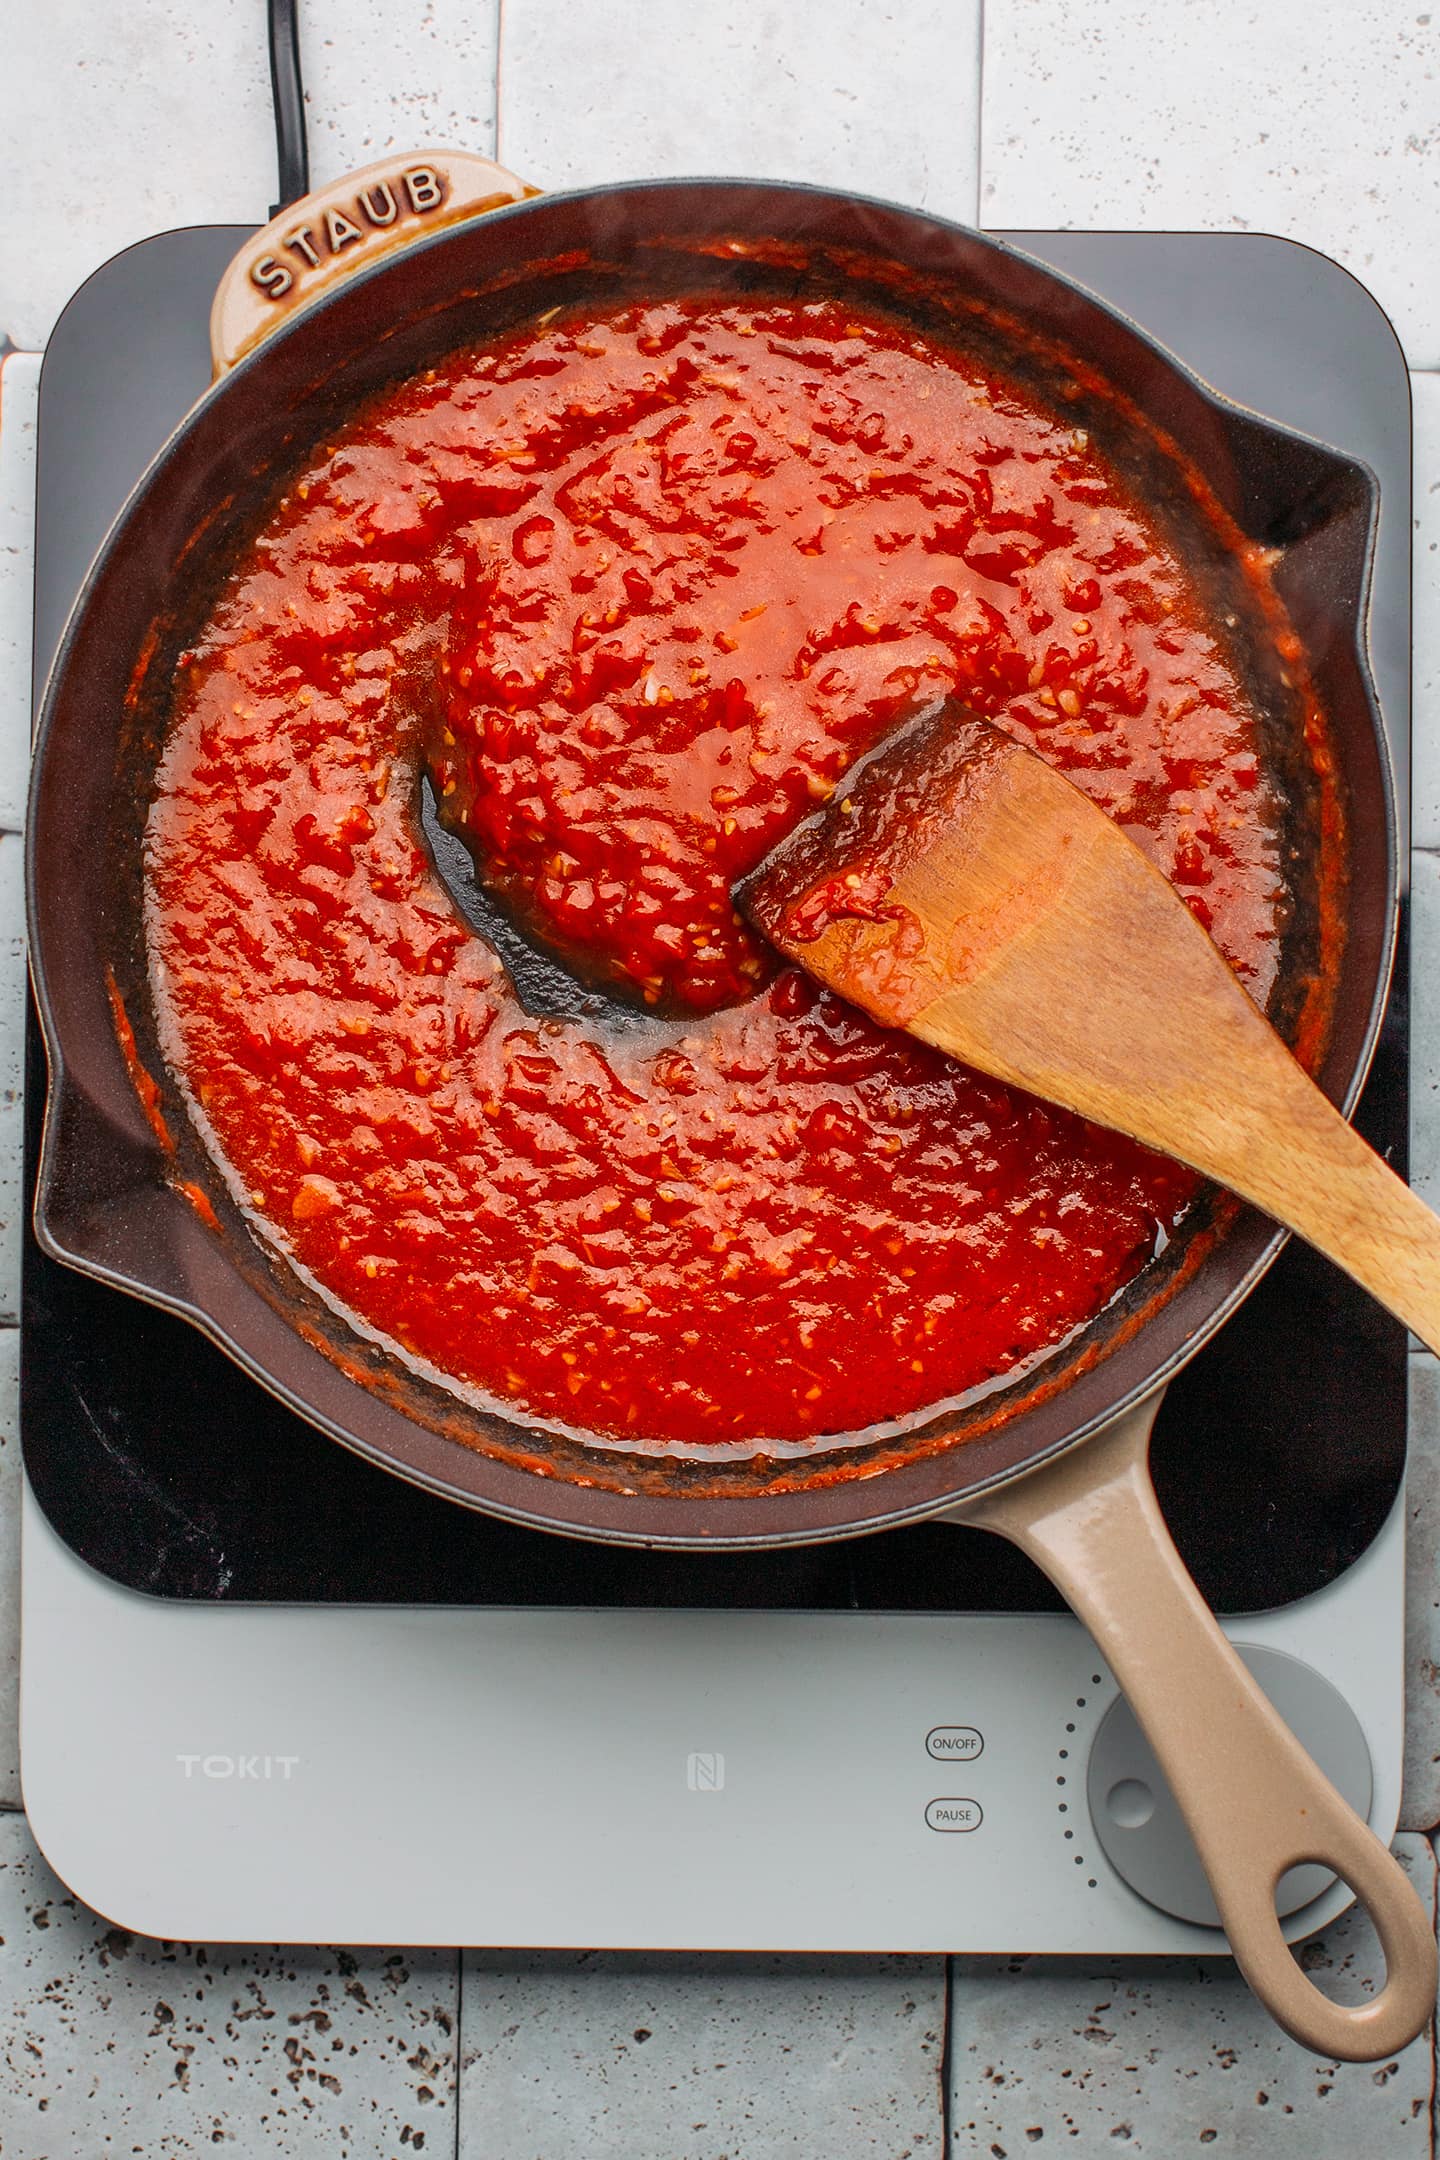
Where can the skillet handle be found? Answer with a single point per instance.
(1253, 1801)
(311, 245)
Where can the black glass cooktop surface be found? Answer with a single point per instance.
(1278, 1453)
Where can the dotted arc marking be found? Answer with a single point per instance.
(1062, 1780)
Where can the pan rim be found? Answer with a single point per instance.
(854, 1520)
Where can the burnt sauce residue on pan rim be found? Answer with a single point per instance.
(1253, 626)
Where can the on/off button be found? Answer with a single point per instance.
(953, 1743)
(953, 1815)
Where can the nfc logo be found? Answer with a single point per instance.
(705, 1773)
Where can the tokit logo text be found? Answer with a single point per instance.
(259, 1768)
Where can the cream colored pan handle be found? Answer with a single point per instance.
(313, 244)
(1253, 1801)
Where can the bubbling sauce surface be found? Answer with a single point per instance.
(635, 589)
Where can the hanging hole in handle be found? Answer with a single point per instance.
(1352, 1976)
(1341, 2000)
(1340, 1976)
(1363, 1999)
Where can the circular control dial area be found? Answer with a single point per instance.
(1140, 1827)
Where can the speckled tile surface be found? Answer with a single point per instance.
(1425, 1026)
(1425, 804)
(882, 98)
(380, 78)
(1420, 1794)
(19, 396)
(113, 2044)
(18, 385)
(1163, 2059)
(12, 1068)
(1320, 121)
(634, 2058)
(123, 120)
(10, 1478)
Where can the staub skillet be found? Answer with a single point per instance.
(365, 283)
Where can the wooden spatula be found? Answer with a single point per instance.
(959, 887)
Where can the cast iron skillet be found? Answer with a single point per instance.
(406, 268)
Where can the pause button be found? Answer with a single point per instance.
(954, 1815)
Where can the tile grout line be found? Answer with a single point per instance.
(1434, 2023)
(979, 111)
(946, 2065)
(460, 2020)
(499, 67)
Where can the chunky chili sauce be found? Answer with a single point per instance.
(634, 590)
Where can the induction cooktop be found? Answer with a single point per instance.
(251, 1615)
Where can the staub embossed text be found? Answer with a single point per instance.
(417, 191)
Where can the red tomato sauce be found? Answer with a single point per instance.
(636, 589)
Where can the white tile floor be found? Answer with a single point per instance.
(1420, 1795)
(762, 2058)
(19, 388)
(139, 117)
(881, 98)
(1318, 118)
(110, 2043)
(1154, 2061)
(1425, 809)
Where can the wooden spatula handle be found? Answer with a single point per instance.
(1150, 1032)
(968, 891)
(1253, 1801)
(1319, 1177)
